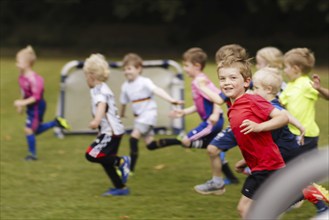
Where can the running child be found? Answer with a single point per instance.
(251, 118)
(105, 118)
(32, 90)
(140, 91)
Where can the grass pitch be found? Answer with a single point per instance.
(63, 185)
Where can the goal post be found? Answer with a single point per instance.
(74, 101)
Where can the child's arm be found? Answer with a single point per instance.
(317, 85)
(209, 93)
(278, 120)
(122, 110)
(294, 121)
(99, 114)
(240, 165)
(177, 113)
(213, 118)
(20, 103)
(163, 94)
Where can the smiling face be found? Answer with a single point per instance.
(232, 83)
(131, 72)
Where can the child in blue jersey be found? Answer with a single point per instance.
(32, 89)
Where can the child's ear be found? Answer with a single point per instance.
(247, 82)
(296, 69)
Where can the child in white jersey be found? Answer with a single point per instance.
(105, 118)
(140, 91)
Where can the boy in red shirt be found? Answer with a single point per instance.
(251, 119)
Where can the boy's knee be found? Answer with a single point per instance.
(213, 151)
(28, 131)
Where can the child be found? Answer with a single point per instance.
(251, 118)
(32, 88)
(269, 57)
(140, 90)
(317, 85)
(194, 61)
(299, 96)
(105, 148)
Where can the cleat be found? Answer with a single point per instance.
(315, 192)
(116, 192)
(210, 187)
(125, 169)
(181, 136)
(62, 123)
(30, 158)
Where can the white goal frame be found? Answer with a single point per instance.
(75, 109)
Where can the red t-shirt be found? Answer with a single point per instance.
(258, 149)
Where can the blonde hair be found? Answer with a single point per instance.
(272, 56)
(269, 77)
(97, 66)
(301, 57)
(28, 53)
(132, 59)
(230, 50)
(195, 55)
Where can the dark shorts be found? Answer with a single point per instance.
(224, 140)
(35, 115)
(254, 182)
(104, 145)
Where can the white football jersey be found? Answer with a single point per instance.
(140, 93)
(111, 123)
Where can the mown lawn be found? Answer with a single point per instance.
(63, 185)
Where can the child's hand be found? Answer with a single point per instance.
(18, 103)
(240, 165)
(316, 81)
(249, 126)
(176, 113)
(93, 124)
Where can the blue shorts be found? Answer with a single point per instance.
(206, 130)
(224, 140)
(35, 113)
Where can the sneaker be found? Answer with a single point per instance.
(116, 192)
(62, 123)
(210, 187)
(228, 181)
(315, 192)
(125, 169)
(30, 158)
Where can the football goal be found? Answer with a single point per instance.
(74, 102)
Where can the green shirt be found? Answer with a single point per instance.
(299, 99)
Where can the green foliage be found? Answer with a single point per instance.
(63, 185)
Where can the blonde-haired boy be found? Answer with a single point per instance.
(32, 90)
(105, 148)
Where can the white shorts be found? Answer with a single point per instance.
(144, 129)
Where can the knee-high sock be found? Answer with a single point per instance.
(31, 142)
(45, 126)
(166, 142)
(133, 152)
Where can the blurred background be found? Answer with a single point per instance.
(162, 28)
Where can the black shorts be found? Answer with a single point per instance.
(254, 181)
(104, 145)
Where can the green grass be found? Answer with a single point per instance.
(63, 185)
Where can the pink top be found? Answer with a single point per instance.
(203, 104)
(31, 85)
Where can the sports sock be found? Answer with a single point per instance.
(45, 126)
(31, 142)
(218, 180)
(197, 144)
(153, 145)
(228, 172)
(166, 142)
(133, 152)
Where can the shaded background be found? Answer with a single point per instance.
(160, 28)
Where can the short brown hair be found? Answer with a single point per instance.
(195, 55)
(230, 50)
(301, 57)
(132, 59)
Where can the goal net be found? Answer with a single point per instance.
(74, 102)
